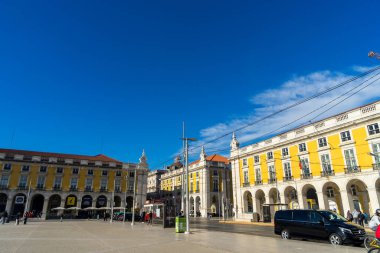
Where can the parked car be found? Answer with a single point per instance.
(317, 224)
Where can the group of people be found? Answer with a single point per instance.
(357, 217)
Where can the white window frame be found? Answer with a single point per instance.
(245, 162)
(23, 176)
(258, 175)
(256, 159)
(272, 174)
(350, 166)
(345, 136)
(56, 179)
(373, 129)
(302, 147)
(270, 157)
(3, 182)
(305, 163)
(287, 168)
(41, 181)
(283, 153)
(323, 141)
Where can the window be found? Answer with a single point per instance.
(118, 173)
(302, 147)
(117, 185)
(215, 185)
(25, 168)
(350, 159)
(90, 172)
(73, 182)
(57, 182)
(272, 172)
(330, 192)
(191, 175)
(197, 186)
(354, 190)
(322, 142)
(103, 183)
(258, 173)
(373, 129)
(130, 186)
(301, 215)
(131, 174)
(7, 166)
(287, 170)
(305, 166)
(326, 165)
(104, 173)
(284, 215)
(75, 170)
(345, 136)
(285, 152)
(376, 152)
(246, 178)
(245, 162)
(40, 181)
(4, 181)
(88, 183)
(43, 168)
(257, 159)
(215, 172)
(23, 180)
(59, 170)
(315, 217)
(197, 174)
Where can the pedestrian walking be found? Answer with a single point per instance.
(150, 217)
(349, 216)
(61, 217)
(4, 217)
(25, 218)
(17, 219)
(361, 218)
(355, 215)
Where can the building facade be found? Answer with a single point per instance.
(331, 164)
(210, 186)
(154, 184)
(48, 184)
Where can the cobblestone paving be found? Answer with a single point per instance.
(103, 237)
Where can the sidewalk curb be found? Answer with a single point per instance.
(248, 223)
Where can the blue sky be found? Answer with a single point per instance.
(116, 77)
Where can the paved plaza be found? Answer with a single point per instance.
(103, 237)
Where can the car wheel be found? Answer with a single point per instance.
(335, 239)
(285, 234)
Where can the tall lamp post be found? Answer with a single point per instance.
(134, 198)
(187, 182)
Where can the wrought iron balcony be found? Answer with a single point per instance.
(258, 182)
(376, 166)
(289, 178)
(57, 188)
(88, 189)
(306, 176)
(246, 184)
(73, 188)
(40, 187)
(350, 170)
(327, 173)
(272, 180)
(3, 187)
(21, 187)
(103, 189)
(197, 191)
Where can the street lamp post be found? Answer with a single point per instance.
(187, 182)
(125, 197)
(134, 198)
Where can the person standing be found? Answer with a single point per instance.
(355, 215)
(4, 217)
(17, 219)
(61, 217)
(150, 218)
(349, 216)
(361, 218)
(25, 218)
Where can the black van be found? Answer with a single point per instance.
(317, 224)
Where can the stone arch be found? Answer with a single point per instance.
(358, 195)
(101, 201)
(248, 202)
(117, 201)
(129, 203)
(332, 197)
(86, 201)
(309, 197)
(54, 201)
(3, 201)
(18, 204)
(260, 201)
(291, 197)
(197, 206)
(71, 201)
(37, 204)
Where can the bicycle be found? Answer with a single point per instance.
(371, 244)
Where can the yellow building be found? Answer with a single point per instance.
(331, 164)
(50, 183)
(210, 186)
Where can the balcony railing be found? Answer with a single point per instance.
(103, 189)
(3, 187)
(117, 190)
(57, 188)
(21, 187)
(129, 191)
(306, 176)
(327, 173)
(73, 188)
(350, 170)
(40, 187)
(376, 166)
(246, 184)
(272, 180)
(88, 189)
(258, 182)
(288, 178)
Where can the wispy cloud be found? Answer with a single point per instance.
(290, 92)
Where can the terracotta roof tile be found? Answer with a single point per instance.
(100, 157)
(214, 158)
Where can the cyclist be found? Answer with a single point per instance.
(375, 221)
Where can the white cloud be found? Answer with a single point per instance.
(290, 92)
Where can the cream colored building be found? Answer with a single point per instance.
(210, 186)
(330, 164)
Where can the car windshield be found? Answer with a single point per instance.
(331, 216)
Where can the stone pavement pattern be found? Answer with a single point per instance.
(103, 237)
